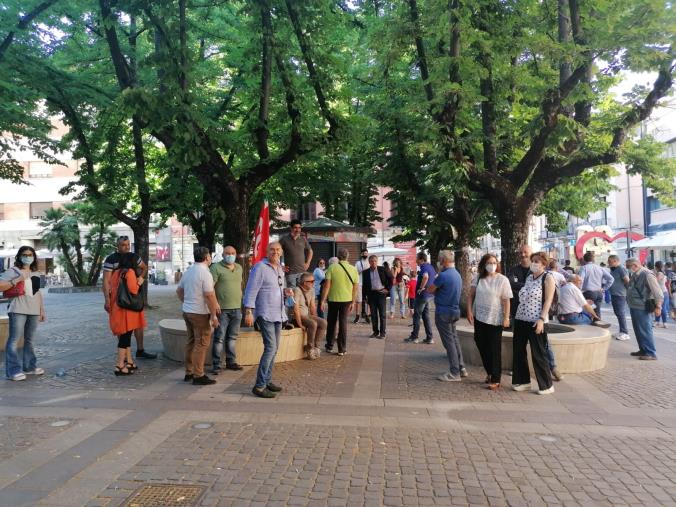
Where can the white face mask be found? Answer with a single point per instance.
(491, 268)
(536, 267)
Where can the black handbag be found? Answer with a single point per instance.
(126, 299)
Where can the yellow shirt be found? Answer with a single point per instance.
(341, 282)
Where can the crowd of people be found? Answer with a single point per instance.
(281, 292)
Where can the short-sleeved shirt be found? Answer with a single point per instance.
(295, 253)
(196, 281)
(571, 299)
(426, 268)
(228, 285)
(361, 265)
(618, 288)
(447, 295)
(112, 262)
(303, 299)
(30, 303)
(341, 282)
(530, 299)
(490, 291)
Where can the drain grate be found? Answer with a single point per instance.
(165, 495)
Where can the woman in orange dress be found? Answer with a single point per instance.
(123, 321)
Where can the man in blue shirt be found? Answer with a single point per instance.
(595, 280)
(447, 288)
(421, 308)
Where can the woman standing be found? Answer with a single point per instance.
(488, 311)
(26, 309)
(663, 282)
(319, 275)
(529, 327)
(123, 321)
(398, 290)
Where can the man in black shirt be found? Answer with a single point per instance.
(517, 276)
(112, 263)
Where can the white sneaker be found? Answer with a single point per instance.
(36, 371)
(521, 387)
(623, 337)
(547, 391)
(463, 372)
(448, 377)
(19, 376)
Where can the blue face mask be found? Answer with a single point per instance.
(27, 261)
(230, 259)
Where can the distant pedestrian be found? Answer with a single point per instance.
(398, 290)
(377, 282)
(297, 253)
(264, 303)
(319, 275)
(595, 280)
(21, 285)
(200, 312)
(305, 314)
(426, 275)
(227, 275)
(644, 298)
(567, 267)
(618, 295)
(340, 290)
(488, 310)
(535, 300)
(361, 308)
(411, 289)
(446, 288)
(664, 284)
(123, 321)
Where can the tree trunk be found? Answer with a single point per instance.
(236, 230)
(95, 268)
(70, 269)
(514, 222)
(142, 247)
(462, 264)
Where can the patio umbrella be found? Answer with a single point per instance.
(666, 240)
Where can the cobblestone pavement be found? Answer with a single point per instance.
(374, 427)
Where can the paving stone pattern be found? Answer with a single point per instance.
(280, 464)
(18, 434)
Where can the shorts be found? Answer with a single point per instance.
(359, 295)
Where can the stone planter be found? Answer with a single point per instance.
(4, 333)
(249, 346)
(577, 349)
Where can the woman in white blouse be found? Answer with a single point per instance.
(488, 311)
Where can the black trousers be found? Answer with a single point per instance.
(378, 306)
(337, 313)
(488, 340)
(524, 334)
(124, 340)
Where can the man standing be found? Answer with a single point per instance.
(297, 253)
(377, 282)
(447, 287)
(112, 263)
(200, 312)
(264, 303)
(227, 276)
(644, 298)
(618, 295)
(567, 267)
(595, 280)
(423, 298)
(517, 277)
(340, 290)
(362, 298)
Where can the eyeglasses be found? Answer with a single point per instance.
(123, 238)
(309, 281)
(279, 280)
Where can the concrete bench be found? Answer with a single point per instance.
(249, 345)
(577, 349)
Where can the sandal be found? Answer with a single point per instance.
(493, 386)
(120, 371)
(131, 366)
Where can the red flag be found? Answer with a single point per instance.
(262, 234)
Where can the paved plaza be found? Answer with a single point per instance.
(372, 428)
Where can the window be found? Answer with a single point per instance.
(37, 209)
(305, 212)
(39, 170)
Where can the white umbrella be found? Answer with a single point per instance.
(384, 250)
(666, 240)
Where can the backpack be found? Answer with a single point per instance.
(126, 299)
(554, 308)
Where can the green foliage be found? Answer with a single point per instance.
(646, 157)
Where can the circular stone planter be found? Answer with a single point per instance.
(577, 348)
(4, 333)
(248, 347)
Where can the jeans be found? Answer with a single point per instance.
(24, 325)
(665, 308)
(397, 292)
(292, 280)
(524, 333)
(320, 312)
(575, 319)
(421, 309)
(597, 297)
(227, 333)
(271, 332)
(488, 340)
(337, 314)
(620, 309)
(445, 323)
(551, 360)
(641, 321)
(378, 307)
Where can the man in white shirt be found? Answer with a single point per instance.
(573, 308)
(362, 264)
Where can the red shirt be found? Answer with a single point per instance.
(412, 283)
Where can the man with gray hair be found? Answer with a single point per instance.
(644, 298)
(305, 314)
(618, 295)
(340, 290)
(573, 308)
(447, 287)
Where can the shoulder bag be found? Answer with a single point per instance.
(125, 299)
(19, 288)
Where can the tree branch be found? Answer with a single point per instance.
(122, 70)
(23, 23)
(262, 132)
(420, 48)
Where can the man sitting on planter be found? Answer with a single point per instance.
(574, 309)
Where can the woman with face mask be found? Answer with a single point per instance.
(21, 284)
(529, 327)
(488, 311)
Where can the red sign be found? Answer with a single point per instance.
(579, 246)
(262, 234)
